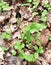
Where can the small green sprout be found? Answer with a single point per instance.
(5, 35)
(43, 16)
(3, 6)
(31, 57)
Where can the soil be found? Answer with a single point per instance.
(10, 17)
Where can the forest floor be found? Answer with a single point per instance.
(13, 21)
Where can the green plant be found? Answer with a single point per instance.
(34, 27)
(31, 57)
(26, 35)
(3, 6)
(46, 5)
(35, 4)
(39, 49)
(28, 57)
(43, 16)
(4, 48)
(5, 35)
(19, 46)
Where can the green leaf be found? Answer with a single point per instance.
(35, 3)
(40, 50)
(36, 55)
(28, 1)
(29, 57)
(5, 35)
(29, 37)
(22, 45)
(49, 37)
(44, 13)
(36, 47)
(21, 55)
(4, 6)
(38, 41)
(44, 18)
(19, 46)
(36, 27)
(13, 53)
(37, 35)
(4, 48)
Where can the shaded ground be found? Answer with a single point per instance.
(10, 18)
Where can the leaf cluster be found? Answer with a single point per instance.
(46, 5)
(28, 57)
(3, 6)
(26, 35)
(34, 27)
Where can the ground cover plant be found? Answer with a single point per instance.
(25, 32)
(3, 6)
